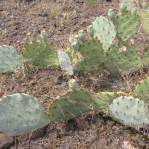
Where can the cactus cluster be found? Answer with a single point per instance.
(129, 110)
(111, 37)
(21, 113)
(102, 45)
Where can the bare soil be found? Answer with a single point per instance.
(60, 18)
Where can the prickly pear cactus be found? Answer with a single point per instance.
(20, 114)
(65, 62)
(130, 111)
(41, 54)
(104, 99)
(104, 30)
(127, 3)
(142, 90)
(144, 16)
(127, 25)
(9, 59)
(71, 105)
(145, 58)
(76, 40)
(92, 57)
(123, 61)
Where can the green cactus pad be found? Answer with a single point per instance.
(127, 25)
(41, 54)
(103, 99)
(123, 62)
(20, 114)
(92, 57)
(144, 16)
(127, 3)
(104, 30)
(142, 90)
(71, 105)
(130, 111)
(9, 59)
(145, 58)
(65, 62)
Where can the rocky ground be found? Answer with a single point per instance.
(60, 18)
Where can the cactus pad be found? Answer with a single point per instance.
(127, 25)
(127, 3)
(71, 105)
(65, 62)
(103, 99)
(104, 30)
(144, 15)
(92, 57)
(142, 90)
(145, 58)
(76, 40)
(20, 113)
(41, 54)
(123, 61)
(9, 59)
(130, 111)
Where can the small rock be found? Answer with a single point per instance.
(5, 141)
